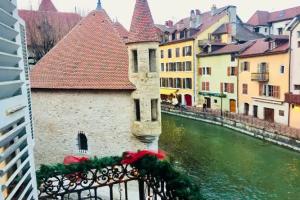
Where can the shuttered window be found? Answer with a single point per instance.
(245, 89)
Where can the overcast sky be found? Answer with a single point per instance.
(163, 10)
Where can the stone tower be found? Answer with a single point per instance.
(143, 50)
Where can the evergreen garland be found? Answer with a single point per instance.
(182, 186)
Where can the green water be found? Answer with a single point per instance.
(229, 165)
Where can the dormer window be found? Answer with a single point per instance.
(174, 36)
(182, 34)
(280, 31)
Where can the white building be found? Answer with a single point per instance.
(91, 98)
(17, 172)
(273, 23)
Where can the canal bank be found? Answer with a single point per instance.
(251, 128)
(229, 165)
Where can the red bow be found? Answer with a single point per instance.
(131, 157)
(74, 159)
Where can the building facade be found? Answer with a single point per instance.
(293, 98)
(95, 96)
(261, 94)
(272, 23)
(17, 170)
(218, 77)
(179, 47)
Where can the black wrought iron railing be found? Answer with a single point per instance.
(112, 182)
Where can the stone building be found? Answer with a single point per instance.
(89, 98)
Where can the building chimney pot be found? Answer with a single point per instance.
(198, 12)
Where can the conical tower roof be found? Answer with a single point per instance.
(142, 26)
(47, 5)
(91, 56)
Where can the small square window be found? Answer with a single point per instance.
(281, 113)
(282, 69)
(297, 87)
(216, 101)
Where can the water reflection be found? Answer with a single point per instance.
(230, 165)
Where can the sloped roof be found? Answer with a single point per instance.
(261, 18)
(47, 5)
(142, 27)
(230, 48)
(123, 32)
(61, 22)
(91, 56)
(261, 47)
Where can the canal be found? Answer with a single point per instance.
(229, 165)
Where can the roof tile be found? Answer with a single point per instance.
(91, 56)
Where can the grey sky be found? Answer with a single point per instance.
(165, 9)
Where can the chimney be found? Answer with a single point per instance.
(193, 19)
(233, 20)
(213, 9)
(99, 6)
(198, 18)
(169, 23)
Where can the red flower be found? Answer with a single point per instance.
(74, 159)
(131, 157)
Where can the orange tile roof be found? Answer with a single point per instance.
(91, 56)
(142, 26)
(122, 31)
(261, 47)
(264, 17)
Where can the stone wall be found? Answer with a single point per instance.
(105, 117)
(147, 84)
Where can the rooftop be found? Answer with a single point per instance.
(85, 58)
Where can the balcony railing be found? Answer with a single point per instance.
(260, 77)
(292, 98)
(96, 180)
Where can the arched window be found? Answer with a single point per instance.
(82, 142)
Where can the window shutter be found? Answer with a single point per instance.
(242, 66)
(209, 70)
(228, 71)
(235, 71)
(221, 88)
(261, 89)
(200, 71)
(207, 86)
(277, 92)
(203, 86)
(232, 88)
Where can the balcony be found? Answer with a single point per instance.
(260, 77)
(7, 32)
(292, 98)
(146, 177)
(8, 46)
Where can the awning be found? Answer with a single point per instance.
(209, 94)
(168, 91)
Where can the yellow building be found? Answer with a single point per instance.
(180, 45)
(264, 80)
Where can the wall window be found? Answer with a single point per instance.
(281, 113)
(256, 30)
(296, 87)
(135, 68)
(245, 89)
(82, 142)
(269, 91)
(205, 86)
(152, 60)
(169, 53)
(188, 83)
(167, 67)
(188, 66)
(263, 67)
(231, 71)
(205, 71)
(228, 87)
(266, 30)
(177, 52)
(245, 66)
(178, 83)
(298, 44)
(162, 67)
(162, 54)
(154, 110)
(187, 51)
(179, 67)
(171, 83)
(298, 34)
(164, 82)
(232, 57)
(137, 107)
(282, 69)
(280, 31)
